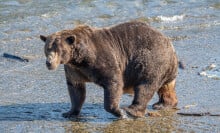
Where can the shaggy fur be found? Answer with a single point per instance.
(130, 57)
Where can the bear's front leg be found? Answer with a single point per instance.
(112, 95)
(77, 92)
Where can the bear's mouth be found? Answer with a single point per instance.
(51, 66)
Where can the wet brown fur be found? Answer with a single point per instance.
(130, 57)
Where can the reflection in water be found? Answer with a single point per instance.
(77, 127)
(165, 123)
(145, 125)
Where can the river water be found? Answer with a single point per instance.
(32, 98)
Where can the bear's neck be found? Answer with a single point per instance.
(82, 63)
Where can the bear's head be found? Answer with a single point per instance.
(57, 50)
(67, 46)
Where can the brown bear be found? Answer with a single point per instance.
(131, 57)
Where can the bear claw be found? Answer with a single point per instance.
(162, 106)
(158, 106)
(134, 113)
(70, 114)
(124, 114)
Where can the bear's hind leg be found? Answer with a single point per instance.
(167, 96)
(112, 95)
(142, 95)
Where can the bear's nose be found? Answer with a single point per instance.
(48, 63)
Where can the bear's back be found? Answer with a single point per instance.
(149, 53)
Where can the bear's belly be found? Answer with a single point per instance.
(128, 90)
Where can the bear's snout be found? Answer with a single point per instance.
(48, 64)
(51, 63)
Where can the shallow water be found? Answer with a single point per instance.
(32, 98)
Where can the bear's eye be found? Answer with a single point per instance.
(54, 45)
(70, 40)
(51, 47)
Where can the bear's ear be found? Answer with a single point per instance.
(43, 38)
(70, 39)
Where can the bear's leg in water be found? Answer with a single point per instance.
(77, 92)
(112, 95)
(142, 95)
(167, 96)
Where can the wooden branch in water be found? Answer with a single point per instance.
(198, 114)
(14, 57)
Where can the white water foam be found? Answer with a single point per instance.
(172, 18)
(212, 71)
